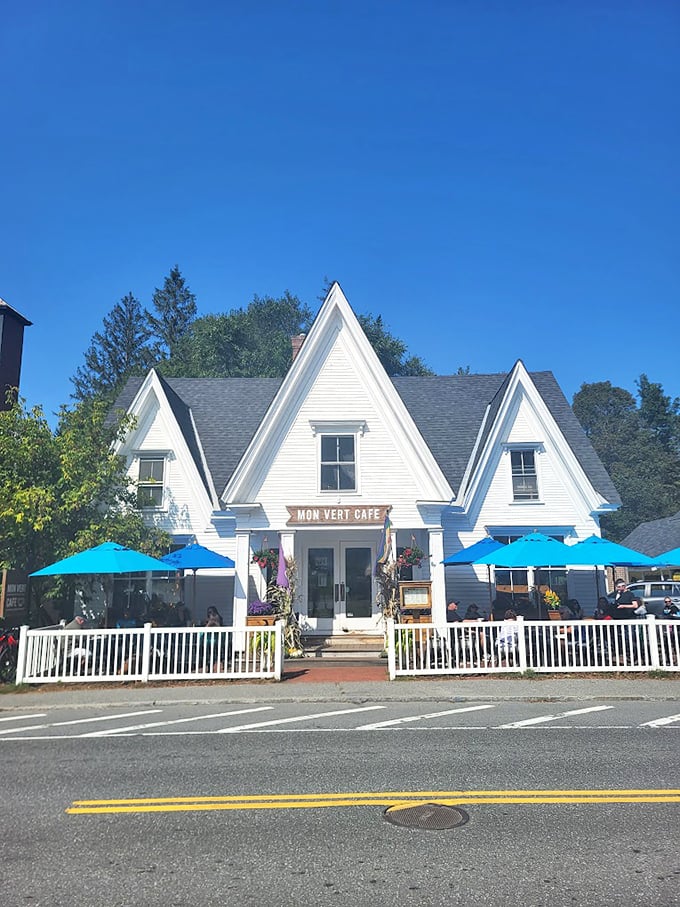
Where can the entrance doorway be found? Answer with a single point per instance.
(339, 586)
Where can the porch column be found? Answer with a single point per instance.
(288, 544)
(436, 544)
(241, 577)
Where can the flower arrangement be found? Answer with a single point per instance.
(551, 599)
(266, 557)
(411, 557)
(260, 609)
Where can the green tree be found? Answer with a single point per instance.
(248, 342)
(630, 443)
(255, 342)
(121, 349)
(175, 308)
(391, 351)
(64, 491)
(659, 413)
(29, 475)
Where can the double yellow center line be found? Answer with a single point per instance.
(376, 798)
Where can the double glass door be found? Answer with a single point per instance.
(340, 587)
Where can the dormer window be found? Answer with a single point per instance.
(338, 463)
(524, 477)
(150, 482)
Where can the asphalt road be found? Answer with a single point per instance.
(270, 832)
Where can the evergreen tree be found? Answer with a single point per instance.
(120, 350)
(391, 351)
(632, 444)
(659, 413)
(175, 307)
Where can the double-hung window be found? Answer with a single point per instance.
(150, 482)
(524, 477)
(338, 463)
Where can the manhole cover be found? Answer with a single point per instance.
(429, 816)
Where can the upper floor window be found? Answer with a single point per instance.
(150, 482)
(524, 478)
(338, 463)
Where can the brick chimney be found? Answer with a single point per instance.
(297, 342)
(12, 326)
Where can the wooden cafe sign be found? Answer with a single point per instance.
(336, 515)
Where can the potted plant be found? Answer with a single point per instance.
(261, 614)
(552, 603)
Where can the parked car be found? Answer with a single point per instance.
(653, 594)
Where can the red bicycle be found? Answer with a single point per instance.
(9, 650)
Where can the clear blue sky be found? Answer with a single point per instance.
(498, 180)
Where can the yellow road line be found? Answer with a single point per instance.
(384, 798)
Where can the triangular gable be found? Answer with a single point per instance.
(496, 428)
(182, 437)
(334, 315)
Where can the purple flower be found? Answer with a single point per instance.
(259, 609)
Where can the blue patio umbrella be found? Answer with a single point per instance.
(470, 554)
(531, 550)
(596, 551)
(668, 558)
(196, 557)
(104, 559)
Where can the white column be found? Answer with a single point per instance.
(241, 578)
(436, 544)
(288, 544)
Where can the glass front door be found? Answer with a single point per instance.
(340, 587)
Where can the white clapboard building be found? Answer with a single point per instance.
(313, 462)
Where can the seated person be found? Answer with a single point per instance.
(472, 613)
(213, 617)
(452, 613)
(575, 608)
(508, 635)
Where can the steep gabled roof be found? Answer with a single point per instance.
(225, 411)
(447, 410)
(656, 536)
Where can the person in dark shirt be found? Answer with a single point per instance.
(624, 602)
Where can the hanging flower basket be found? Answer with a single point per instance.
(266, 557)
(411, 557)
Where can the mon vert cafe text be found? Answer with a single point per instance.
(310, 516)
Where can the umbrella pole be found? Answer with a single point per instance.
(193, 597)
(488, 576)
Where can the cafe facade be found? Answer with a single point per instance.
(312, 464)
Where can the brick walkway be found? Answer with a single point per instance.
(333, 670)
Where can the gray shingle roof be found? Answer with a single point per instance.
(448, 411)
(656, 536)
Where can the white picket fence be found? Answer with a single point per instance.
(56, 655)
(574, 646)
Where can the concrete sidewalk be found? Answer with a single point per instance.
(330, 680)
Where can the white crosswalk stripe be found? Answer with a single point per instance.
(260, 724)
(23, 717)
(397, 721)
(661, 722)
(141, 727)
(542, 719)
(40, 727)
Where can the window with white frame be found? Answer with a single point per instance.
(150, 482)
(338, 463)
(524, 477)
